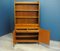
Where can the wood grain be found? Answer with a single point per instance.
(26, 7)
(44, 36)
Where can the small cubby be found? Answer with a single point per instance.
(27, 36)
(26, 7)
(26, 13)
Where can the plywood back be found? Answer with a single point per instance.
(26, 7)
(26, 13)
(27, 21)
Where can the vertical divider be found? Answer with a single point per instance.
(39, 21)
(14, 27)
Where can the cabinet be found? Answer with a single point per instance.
(27, 24)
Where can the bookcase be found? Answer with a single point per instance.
(27, 24)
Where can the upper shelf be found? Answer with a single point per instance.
(27, 25)
(26, 17)
(26, 10)
(26, 2)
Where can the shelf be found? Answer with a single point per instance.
(26, 2)
(27, 31)
(26, 17)
(27, 10)
(27, 25)
(22, 26)
(27, 36)
(26, 40)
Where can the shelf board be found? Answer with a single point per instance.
(27, 10)
(27, 25)
(26, 31)
(26, 16)
(17, 26)
(26, 2)
(27, 36)
(26, 40)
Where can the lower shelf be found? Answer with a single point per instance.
(43, 36)
(27, 31)
(27, 36)
(26, 40)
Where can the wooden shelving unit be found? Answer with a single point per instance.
(27, 24)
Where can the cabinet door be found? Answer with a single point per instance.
(44, 36)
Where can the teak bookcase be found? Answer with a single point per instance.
(27, 24)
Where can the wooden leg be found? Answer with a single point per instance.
(14, 40)
(14, 43)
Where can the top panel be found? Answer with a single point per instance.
(26, 2)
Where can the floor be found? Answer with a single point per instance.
(7, 45)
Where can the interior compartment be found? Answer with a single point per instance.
(21, 29)
(18, 34)
(27, 34)
(26, 7)
(26, 13)
(27, 21)
(27, 38)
